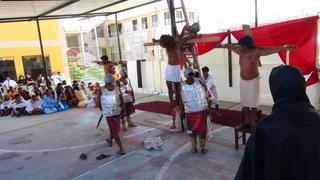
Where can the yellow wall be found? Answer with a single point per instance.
(27, 31)
(24, 41)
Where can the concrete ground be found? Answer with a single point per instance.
(49, 146)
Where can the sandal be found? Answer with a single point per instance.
(109, 142)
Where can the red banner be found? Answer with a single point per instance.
(300, 32)
(208, 46)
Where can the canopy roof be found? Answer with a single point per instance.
(11, 11)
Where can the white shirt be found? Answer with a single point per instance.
(62, 77)
(8, 83)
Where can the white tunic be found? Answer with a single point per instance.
(110, 102)
(33, 105)
(126, 91)
(212, 89)
(6, 104)
(194, 97)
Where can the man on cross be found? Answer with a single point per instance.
(249, 56)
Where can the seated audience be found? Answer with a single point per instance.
(71, 98)
(49, 102)
(34, 106)
(61, 98)
(21, 81)
(92, 96)
(81, 97)
(23, 93)
(6, 106)
(12, 92)
(9, 83)
(19, 105)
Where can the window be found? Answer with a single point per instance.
(179, 18)
(134, 25)
(167, 20)
(72, 41)
(191, 18)
(155, 21)
(100, 31)
(33, 65)
(110, 31)
(144, 22)
(93, 34)
(120, 28)
(7, 68)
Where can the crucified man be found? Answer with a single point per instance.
(249, 55)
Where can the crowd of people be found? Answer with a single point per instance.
(31, 97)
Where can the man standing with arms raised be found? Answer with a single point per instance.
(249, 56)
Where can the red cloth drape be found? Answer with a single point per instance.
(300, 32)
(208, 46)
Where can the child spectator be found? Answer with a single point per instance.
(71, 98)
(49, 103)
(6, 106)
(19, 105)
(34, 106)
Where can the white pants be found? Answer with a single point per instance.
(250, 92)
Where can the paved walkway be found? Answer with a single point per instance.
(48, 147)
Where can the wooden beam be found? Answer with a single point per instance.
(195, 40)
(229, 60)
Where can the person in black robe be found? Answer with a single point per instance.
(286, 144)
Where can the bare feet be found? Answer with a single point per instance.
(109, 142)
(121, 152)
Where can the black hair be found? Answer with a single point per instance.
(167, 41)
(105, 57)
(247, 41)
(205, 69)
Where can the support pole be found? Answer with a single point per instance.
(172, 17)
(42, 52)
(97, 43)
(118, 38)
(256, 12)
(229, 60)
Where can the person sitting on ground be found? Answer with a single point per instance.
(12, 92)
(19, 105)
(40, 80)
(49, 102)
(286, 144)
(128, 98)
(75, 85)
(6, 106)
(37, 92)
(61, 98)
(62, 78)
(81, 98)
(21, 81)
(196, 102)
(9, 83)
(24, 93)
(210, 83)
(34, 106)
(111, 103)
(97, 85)
(92, 96)
(71, 98)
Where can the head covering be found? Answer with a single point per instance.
(108, 78)
(287, 84)
(123, 73)
(187, 71)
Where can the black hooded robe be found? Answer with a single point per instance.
(286, 144)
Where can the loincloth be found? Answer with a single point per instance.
(250, 92)
(173, 73)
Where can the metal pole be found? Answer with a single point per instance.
(256, 12)
(119, 45)
(97, 42)
(42, 52)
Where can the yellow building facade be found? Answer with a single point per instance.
(20, 51)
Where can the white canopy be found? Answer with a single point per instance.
(11, 11)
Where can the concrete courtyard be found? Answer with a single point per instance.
(49, 146)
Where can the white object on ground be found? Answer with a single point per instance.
(153, 143)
